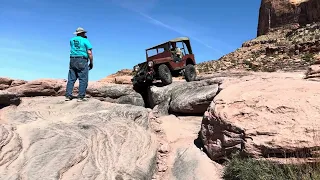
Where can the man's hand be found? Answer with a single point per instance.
(90, 58)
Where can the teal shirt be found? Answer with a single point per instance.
(79, 46)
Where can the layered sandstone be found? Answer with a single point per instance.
(269, 115)
(281, 13)
(288, 39)
(120, 77)
(285, 49)
(44, 137)
(47, 138)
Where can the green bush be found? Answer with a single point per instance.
(269, 69)
(308, 57)
(251, 169)
(251, 65)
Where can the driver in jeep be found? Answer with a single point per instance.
(176, 51)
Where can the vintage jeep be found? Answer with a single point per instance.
(162, 64)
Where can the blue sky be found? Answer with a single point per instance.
(35, 34)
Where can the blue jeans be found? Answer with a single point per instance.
(78, 69)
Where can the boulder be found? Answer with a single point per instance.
(48, 138)
(264, 117)
(7, 98)
(5, 83)
(41, 87)
(18, 82)
(184, 97)
(191, 163)
(116, 93)
(313, 71)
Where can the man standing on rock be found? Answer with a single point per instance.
(80, 51)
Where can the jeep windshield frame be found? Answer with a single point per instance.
(166, 46)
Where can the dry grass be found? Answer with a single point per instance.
(251, 169)
(300, 165)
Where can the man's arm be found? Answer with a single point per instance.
(89, 50)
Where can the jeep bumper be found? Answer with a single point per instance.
(142, 77)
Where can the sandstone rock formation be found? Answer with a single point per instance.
(281, 50)
(117, 93)
(5, 83)
(7, 99)
(266, 116)
(40, 87)
(283, 13)
(313, 71)
(72, 140)
(288, 39)
(250, 111)
(121, 77)
(182, 97)
(178, 153)
(48, 138)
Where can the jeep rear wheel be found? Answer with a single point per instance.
(165, 74)
(190, 73)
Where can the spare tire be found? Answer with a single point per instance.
(165, 74)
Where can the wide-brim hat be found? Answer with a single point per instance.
(80, 30)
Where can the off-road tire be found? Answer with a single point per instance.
(136, 86)
(165, 74)
(190, 73)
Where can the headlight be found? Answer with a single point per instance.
(150, 63)
(136, 68)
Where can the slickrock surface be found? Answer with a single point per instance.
(48, 138)
(179, 158)
(271, 115)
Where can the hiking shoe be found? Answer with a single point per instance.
(68, 98)
(82, 99)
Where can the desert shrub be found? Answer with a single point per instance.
(251, 65)
(234, 62)
(248, 63)
(250, 169)
(269, 69)
(308, 57)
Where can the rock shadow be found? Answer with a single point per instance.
(199, 144)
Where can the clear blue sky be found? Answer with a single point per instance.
(34, 34)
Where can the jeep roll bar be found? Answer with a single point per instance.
(186, 41)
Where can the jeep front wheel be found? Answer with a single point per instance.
(165, 74)
(190, 73)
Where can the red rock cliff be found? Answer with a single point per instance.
(279, 13)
